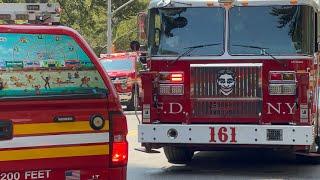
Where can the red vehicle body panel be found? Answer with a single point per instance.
(36, 118)
(268, 65)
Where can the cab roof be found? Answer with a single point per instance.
(216, 3)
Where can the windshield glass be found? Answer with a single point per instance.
(45, 65)
(173, 30)
(117, 65)
(279, 30)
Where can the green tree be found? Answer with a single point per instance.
(89, 18)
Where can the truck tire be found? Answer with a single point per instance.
(178, 155)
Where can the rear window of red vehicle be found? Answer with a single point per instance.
(42, 65)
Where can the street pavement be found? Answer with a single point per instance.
(214, 165)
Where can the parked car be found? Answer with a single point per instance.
(123, 69)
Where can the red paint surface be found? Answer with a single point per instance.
(44, 111)
(268, 65)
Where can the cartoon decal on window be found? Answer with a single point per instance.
(38, 64)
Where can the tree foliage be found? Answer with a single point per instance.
(89, 18)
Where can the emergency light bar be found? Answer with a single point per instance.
(48, 13)
(226, 1)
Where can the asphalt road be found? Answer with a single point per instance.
(215, 165)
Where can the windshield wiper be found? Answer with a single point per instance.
(262, 49)
(190, 49)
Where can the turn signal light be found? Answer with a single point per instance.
(288, 76)
(275, 76)
(177, 77)
(282, 83)
(282, 76)
(171, 77)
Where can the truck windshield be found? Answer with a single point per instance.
(173, 30)
(117, 65)
(281, 30)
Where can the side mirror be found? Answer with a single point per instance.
(135, 46)
(143, 59)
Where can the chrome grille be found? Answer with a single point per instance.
(225, 109)
(213, 99)
(204, 81)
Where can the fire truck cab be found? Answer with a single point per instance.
(231, 74)
(123, 69)
(60, 117)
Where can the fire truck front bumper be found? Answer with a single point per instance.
(226, 134)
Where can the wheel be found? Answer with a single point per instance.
(178, 155)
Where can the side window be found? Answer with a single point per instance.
(36, 65)
(154, 30)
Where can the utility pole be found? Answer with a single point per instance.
(110, 16)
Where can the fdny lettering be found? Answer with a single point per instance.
(223, 135)
(281, 108)
(175, 108)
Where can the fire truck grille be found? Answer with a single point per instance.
(226, 109)
(226, 90)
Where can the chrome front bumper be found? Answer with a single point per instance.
(226, 134)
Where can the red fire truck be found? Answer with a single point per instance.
(123, 69)
(55, 122)
(230, 74)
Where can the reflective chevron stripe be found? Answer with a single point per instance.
(55, 140)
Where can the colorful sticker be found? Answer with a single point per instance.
(40, 64)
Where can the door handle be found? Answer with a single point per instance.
(6, 130)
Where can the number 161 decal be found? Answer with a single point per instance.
(223, 135)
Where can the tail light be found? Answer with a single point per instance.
(119, 151)
(282, 83)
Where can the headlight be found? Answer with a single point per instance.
(282, 89)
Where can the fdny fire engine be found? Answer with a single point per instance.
(230, 74)
(60, 116)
